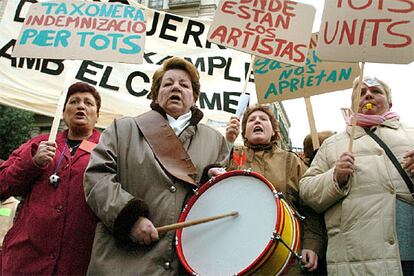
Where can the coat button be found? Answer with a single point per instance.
(391, 241)
(173, 189)
(59, 208)
(167, 265)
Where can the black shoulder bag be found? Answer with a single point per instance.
(393, 159)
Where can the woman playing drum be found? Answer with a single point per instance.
(283, 169)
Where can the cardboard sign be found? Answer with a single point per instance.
(276, 81)
(84, 31)
(274, 29)
(34, 84)
(367, 30)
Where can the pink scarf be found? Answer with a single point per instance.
(373, 120)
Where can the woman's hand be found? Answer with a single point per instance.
(144, 232)
(408, 162)
(344, 168)
(45, 153)
(310, 259)
(215, 171)
(233, 129)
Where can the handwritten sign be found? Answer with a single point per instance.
(276, 81)
(83, 30)
(367, 30)
(274, 29)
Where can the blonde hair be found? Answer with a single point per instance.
(384, 86)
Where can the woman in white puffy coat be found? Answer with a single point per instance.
(369, 211)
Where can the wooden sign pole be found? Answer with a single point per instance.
(244, 98)
(59, 109)
(356, 107)
(312, 126)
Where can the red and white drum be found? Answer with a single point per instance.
(245, 244)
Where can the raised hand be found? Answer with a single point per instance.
(233, 129)
(45, 153)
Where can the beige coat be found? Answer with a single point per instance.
(123, 168)
(7, 212)
(360, 220)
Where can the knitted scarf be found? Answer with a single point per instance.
(373, 120)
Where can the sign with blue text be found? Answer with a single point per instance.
(276, 81)
(83, 30)
(34, 84)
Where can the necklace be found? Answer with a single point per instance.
(71, 149)
(73, 145)
(54, 178)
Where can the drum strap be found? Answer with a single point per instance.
(287, 171)
(289, 199)
(166, 147)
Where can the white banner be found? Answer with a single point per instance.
(35, 84)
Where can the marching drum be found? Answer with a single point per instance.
(262, 239)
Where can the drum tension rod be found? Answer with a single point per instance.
(276, 236)
(247, 171)
(297, 214)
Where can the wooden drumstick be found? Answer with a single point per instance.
(185, 224)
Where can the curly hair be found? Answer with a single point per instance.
(269, 113)
(176, 63)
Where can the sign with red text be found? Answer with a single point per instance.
(274, 29)
(35, 84)
(367, 30)
(84, 31)
(276, 81)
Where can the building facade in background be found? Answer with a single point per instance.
(190, 8)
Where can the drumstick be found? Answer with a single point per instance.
(185, 224)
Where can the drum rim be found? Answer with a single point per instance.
(204, 188)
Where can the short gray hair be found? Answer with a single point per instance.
(384, 86)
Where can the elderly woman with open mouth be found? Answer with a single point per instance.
(143, 170)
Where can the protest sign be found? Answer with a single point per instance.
(34, 84)
(273, 29)
(276, 81)
(367, 31)
(83, 30)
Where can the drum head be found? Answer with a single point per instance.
(231, 245)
